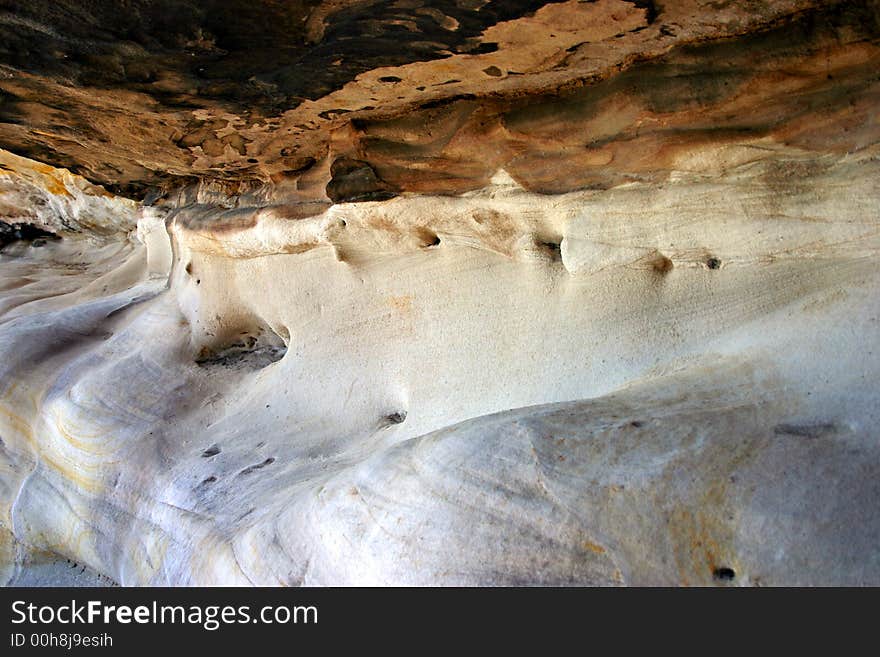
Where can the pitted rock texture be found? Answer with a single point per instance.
(434, 95)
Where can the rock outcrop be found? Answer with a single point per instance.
(440, 292)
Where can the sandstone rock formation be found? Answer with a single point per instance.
(440, 292)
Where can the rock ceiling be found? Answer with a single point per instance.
(428, 96)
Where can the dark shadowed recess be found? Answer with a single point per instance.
(19, 232)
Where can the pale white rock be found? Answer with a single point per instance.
(498, 388)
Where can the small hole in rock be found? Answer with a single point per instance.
(428, 237)
(396, 418)
(213, 450)
(662, 264)
(713, 263)
(724, 574)
(552, 249)
(209, 480)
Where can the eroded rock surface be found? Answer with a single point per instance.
(440, 292)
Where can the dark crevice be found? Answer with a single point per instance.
(724, 574)
(551, 248)
(806, 430)
(249, 352)
(20, 232)
(650, 7)
(353, 181)
(258, 466)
